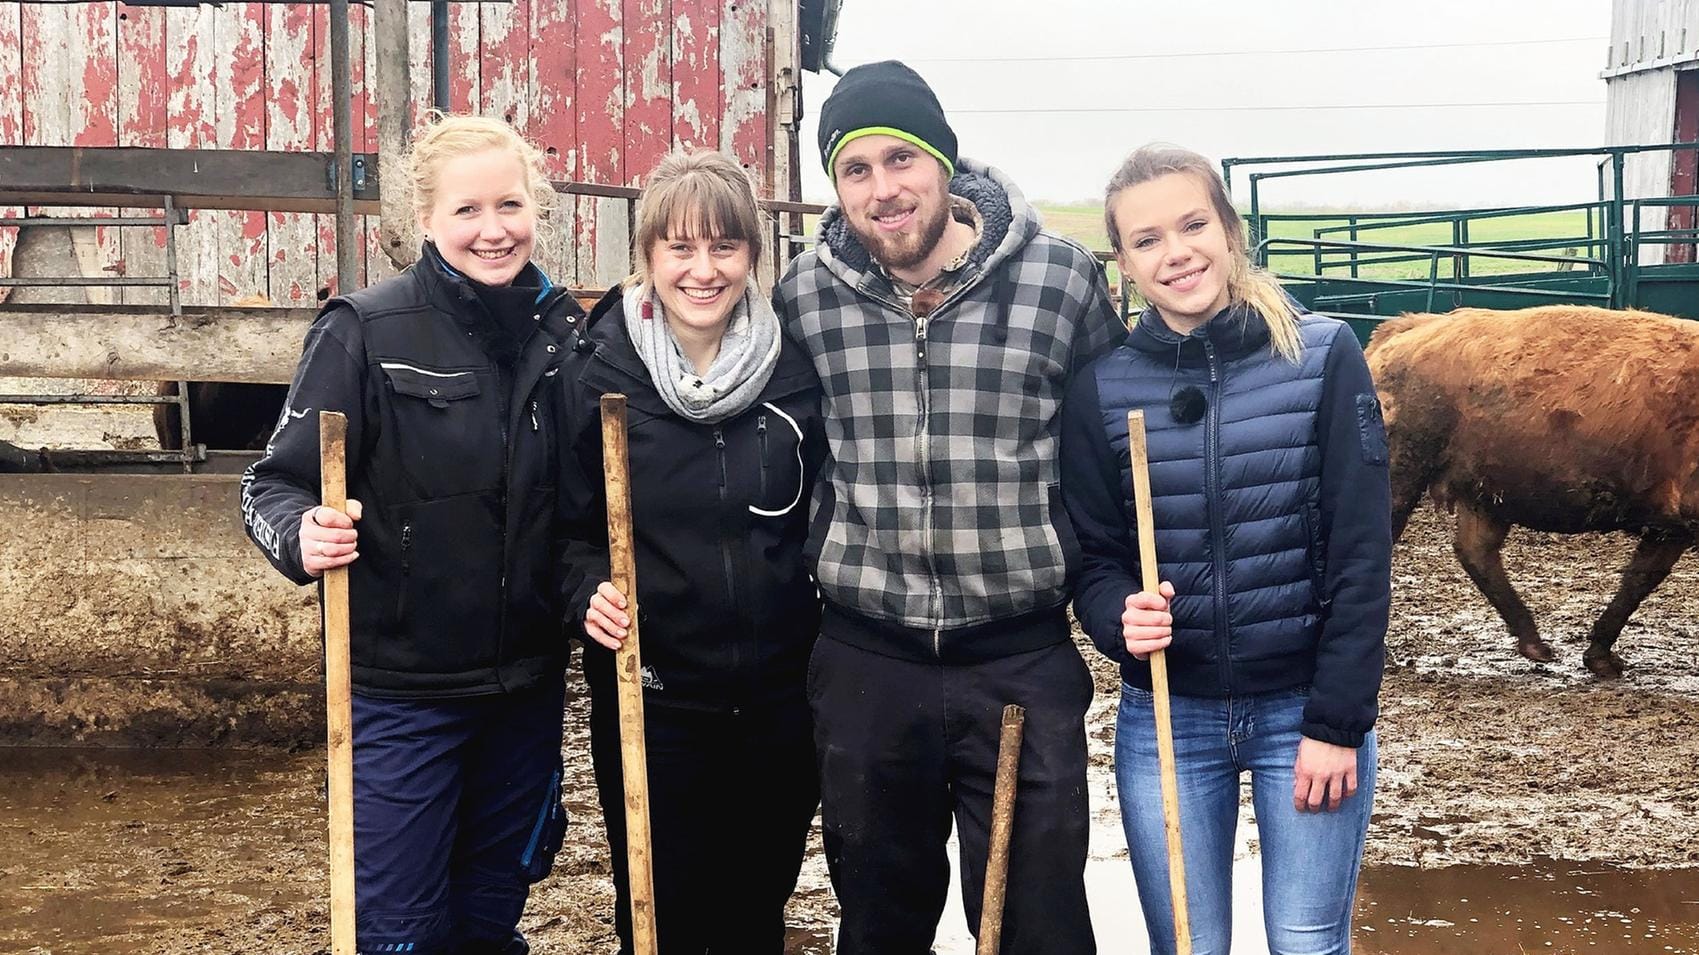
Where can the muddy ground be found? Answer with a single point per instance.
(1521, 806)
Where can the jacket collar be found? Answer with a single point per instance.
(1234, 332)
(450, 290)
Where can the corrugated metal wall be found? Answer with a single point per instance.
(605, 86)
(1649, 39)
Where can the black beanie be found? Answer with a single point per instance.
(885, 98)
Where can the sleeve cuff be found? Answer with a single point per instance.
(1330, 734)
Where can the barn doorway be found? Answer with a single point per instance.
(1684, 163)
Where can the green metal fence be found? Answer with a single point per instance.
(1340, 268)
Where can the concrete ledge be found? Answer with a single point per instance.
(134, 609)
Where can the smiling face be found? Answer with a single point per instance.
(482, 218)
(1174, 248)
(699, 280)
(895, 198)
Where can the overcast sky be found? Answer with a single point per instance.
(1056, 92)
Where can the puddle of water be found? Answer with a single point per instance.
(115, 851)
(105, 849)
(1548, 906)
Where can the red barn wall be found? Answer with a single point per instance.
(605, 87)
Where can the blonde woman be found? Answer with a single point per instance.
(458, 646)
(724, 436)
(1270, 497)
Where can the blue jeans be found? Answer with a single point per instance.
(1309, 860)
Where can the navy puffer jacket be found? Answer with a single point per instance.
(1271, 504)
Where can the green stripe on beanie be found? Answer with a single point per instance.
(855, 134)
(887, 98)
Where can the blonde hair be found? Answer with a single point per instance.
(445, 136)
(1246, 284)
(695, 194)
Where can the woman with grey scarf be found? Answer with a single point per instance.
(723, 426)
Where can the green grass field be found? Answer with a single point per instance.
(1084, 223)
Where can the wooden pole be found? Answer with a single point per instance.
(1002, 824)
(1159, 687)
(628, 669)
(339, 717)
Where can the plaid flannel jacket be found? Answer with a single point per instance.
(939, 506)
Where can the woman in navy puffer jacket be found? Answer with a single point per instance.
(1270, 499)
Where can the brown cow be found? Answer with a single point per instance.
(1561, 418)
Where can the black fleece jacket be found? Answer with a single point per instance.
(451, 434)
(726, 608)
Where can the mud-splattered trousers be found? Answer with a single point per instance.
(732, 794)
(456, 813)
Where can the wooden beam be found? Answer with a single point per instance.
(15, 199)
(257, 345)
(132, 171)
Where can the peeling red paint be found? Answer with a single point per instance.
(648, 86)
(696, 72)
(606, 87)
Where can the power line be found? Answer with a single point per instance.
(1272, 109)
(1202, 53)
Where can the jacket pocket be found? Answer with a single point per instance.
(448, 600)
(547, 834)
(1315, 552)
(778, 441)
(406, 559)
(1064, 530)
(437, 388)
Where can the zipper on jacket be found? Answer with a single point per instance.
(1217, 525)
(534, 425)
(726, 548)
(922, 440)
(761, 439)
(406, 567)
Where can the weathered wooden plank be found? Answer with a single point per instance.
(418, 62)
(375, 261)
(324, 137)
(260, 345)
(648, 122)
(292, 272)
(504, 51)
(142, 85)
(191, 112)
(465, 83)
(360, 105)
(696, 73)
(551, 123)
(249, 174)
(743, 64)
(613, 241)
(11, 116)
(601, 116)
(239, 84)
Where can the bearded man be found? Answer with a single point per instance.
(945, 325)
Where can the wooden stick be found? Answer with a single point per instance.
(628, 668)
(339, 717)
(1002, 824)
(1159, 686)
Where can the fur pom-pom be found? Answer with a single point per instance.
(1188, 405)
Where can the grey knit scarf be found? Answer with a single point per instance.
(749, 350)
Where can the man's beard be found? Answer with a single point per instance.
(905, 250)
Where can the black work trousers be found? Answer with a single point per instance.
(732, 793)
(904, 746)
